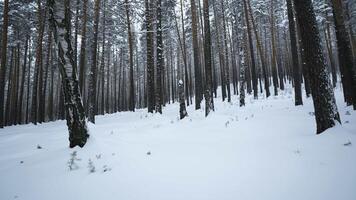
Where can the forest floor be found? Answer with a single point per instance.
(266, 150)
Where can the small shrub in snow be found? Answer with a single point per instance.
(149, 153)
(91, 166)
(106, 168)
(348, 144)
(39, 147)
(347, 113)
(227, 124)
(98, 156)
(72, 165)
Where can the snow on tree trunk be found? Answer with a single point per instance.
(326, 113)
(182, 108)
(76, 122)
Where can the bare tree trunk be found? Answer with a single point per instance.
(93, 71)
(296, 70)
(209, 101)
(3, 60)
(150, 58)
(160, 59)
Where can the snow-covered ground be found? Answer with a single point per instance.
(267, 150)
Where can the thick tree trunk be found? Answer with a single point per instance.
(76, 122)
(326, 113)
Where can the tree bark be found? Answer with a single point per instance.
(76, 122)
(326, 113)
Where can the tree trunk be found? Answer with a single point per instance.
(3, 60)
(345, 52)
(253, 63)
(326, 113)
(76, 122)
(150, 58)
(160, 59)
(182, 108)
(93, 71)
(83, 48)
(293, 41)
(209, 101)
(197, 68)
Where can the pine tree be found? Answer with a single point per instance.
(3, 60)
(92, 106)
(293, 41)
(345, 52)
(326, 113)
(209, 101)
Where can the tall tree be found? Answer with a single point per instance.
(253, 62)
(197, 68)
(3, 60)
(160, 59)
(209, 101)
(293, 42)
(326, 113)
(344, 51)
(37, 82)
(93, 69)
(76, 122)
(131, 64)
(83, 47)
(150, 57)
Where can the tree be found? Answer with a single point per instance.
(93, 71)
(253, 62)
(3, 60)
(326, 113)
(131, 64)
(182, 108)
(293, 42)
(197, 68)
(150, 58)
(83, 47)
(345, 52)
(160, 59)
(60, 23)
(209, 101)
(37, 81)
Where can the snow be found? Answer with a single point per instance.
(266, 150)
